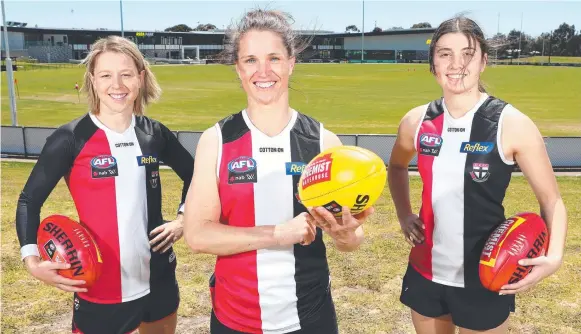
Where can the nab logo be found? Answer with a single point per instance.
(295, 168)
(431, 140)
(476, 147)
(103, 162)
(242, 165)
(143, 160)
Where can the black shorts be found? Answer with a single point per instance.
(470, 308)
(162, 300)
(324, 321)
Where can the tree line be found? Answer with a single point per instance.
(563, 41)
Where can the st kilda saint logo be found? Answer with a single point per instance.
(319, 170)
(430, 144)
(154, 178)
(242, 170)
(479, 172)
(104, 166)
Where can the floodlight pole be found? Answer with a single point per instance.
(121, 12)
(9, 73)
(520, 39)
(362, 31)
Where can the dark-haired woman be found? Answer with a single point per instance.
(271, 274)
(467, 144)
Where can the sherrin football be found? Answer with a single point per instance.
(343, 176)
(524, 235)
(61, 239)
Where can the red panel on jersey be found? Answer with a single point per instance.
(235, 295)
(421, 254)
(95, 200)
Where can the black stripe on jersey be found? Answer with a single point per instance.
(233, 127)
(157, 141)
(311, 268)
(55, 162)
(483, 194)
(435, 109)
(83, 130)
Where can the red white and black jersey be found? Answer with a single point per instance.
(278, 289)
(115, 184)
(465, 176)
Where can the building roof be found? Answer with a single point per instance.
(47, 30)
(389, 32)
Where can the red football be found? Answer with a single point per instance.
(61, 239)
(521, 236)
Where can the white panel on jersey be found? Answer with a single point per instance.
(448, 199)
(273, 204)
(130, 190)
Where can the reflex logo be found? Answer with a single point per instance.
(295, 168)
(476, 147)
(143, 160)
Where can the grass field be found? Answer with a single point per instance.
(348, 98)
(366, 283)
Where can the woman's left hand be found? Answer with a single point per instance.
(342, 229)
(544, 266)
(167, 235)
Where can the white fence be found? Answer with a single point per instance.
(27, 142)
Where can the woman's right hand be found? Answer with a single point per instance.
(300, 229)
(413, 229)
(47, 272)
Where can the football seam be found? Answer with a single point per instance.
(345, 186)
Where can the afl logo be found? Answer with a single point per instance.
(103, 162)
(242, 165)
(430, 140)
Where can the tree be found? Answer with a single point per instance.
(179, 28)
(562, 37)
(377, 29)
(395, 28)
(421, 25)
(352, 28)
(205, 27)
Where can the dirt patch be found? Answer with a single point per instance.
(54, 98)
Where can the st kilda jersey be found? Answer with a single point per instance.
(115, 184)
(465, 176)
(279, 289)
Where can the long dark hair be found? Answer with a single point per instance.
(470, 29)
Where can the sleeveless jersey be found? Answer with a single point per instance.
(115, 184)
(278, 289)
(465, 176)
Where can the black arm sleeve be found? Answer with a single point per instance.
(178, 158)
(54, 162)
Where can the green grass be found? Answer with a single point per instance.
(348, 98)
(366, 283)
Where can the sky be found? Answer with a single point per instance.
(492, 16)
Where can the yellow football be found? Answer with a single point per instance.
(343, 176)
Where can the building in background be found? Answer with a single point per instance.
(51, 45)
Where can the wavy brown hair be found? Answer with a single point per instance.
(149, 91)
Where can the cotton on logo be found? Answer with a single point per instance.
(431, 140)
(103, 162)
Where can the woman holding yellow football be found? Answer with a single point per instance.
(467, 149)
(271, 272)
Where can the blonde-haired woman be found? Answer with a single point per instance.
(109, 159)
